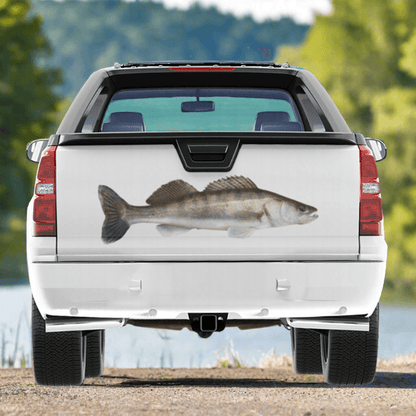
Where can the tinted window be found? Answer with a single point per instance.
(231, 110)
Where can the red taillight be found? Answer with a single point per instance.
(369, 228)
(202, 68)
(46, 171)
(371, 210)
(45, 230)
(44, 208)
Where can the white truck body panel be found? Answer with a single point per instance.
(314, 175)
(245, 290)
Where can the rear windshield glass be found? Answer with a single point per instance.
(201, 109)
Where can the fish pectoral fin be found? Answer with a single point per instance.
(274, 222)
(240, 232)
(171, 230)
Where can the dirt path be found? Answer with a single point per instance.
(214, 391)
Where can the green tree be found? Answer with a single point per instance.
(94, 34)
(27, 107)
(364, 53)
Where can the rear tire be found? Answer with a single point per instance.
(349, 358)
(306, 351)
(95, 354)
(58, 357)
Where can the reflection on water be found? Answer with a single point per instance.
(141, 347)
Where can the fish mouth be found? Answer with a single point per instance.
(310, 218)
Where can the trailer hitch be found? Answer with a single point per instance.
(205, 324)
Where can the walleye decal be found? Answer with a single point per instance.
(234, 204)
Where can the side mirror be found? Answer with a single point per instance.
(378, 148)
(34, 149)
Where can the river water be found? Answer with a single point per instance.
(140, 347)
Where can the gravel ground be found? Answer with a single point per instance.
(276, 390)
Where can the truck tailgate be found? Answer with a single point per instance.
(326, 177)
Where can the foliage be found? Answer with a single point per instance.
(27, 105)
(88, 35)
(364, 54)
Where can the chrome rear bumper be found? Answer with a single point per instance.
(81, 324)
(339, 324)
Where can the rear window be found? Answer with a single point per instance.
(201, 109)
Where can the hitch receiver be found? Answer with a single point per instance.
(208, 322)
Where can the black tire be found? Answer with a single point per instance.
(95, 354)
(306, 351)
(349, 358)
(58, 357)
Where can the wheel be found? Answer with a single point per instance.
(349, 358)
(58, 357)
(306, 351)
(95, 354)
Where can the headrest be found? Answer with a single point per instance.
(291, 126)
(126, 117)
(275, 117)
(124, 121)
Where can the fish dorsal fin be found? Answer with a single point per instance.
(233, 182)
(169, 191)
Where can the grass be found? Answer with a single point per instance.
(230, 358)
(13, 352)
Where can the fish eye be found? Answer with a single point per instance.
(302, 208)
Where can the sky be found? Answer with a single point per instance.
(302, 11)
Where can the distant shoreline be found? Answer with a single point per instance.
(14, 282)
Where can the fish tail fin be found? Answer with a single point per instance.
(114, 207)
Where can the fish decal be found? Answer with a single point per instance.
(233, 204)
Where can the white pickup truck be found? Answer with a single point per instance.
(206, 195)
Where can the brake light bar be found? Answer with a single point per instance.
(44, 209)
(371, 210)
(202, 68)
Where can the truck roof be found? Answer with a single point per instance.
(237, 66)
(179, 74)
(203, 63)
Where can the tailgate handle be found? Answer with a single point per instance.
(207, 152)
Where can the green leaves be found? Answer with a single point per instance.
(27, 102)
(408, 60)
(95, 34)
(364, 53)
